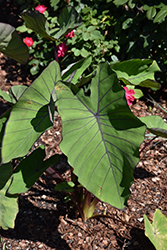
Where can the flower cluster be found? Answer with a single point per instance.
(28, 41)
(129, 95)
(61, 49)
(41, 8)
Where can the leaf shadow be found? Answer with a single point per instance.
(38, 217)
(42, 121)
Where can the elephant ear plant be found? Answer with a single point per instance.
(101, 137)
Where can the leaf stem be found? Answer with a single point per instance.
(148, 144)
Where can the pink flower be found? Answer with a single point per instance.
(61, 49)
(28, 41)
(129, 95)
(41, 8)
(70, 34)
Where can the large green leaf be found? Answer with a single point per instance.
(8, 208)
(101, 137)
(157, 231)
(68, 20)
(137, 72)
(11, 44)
(31, 115)
(156, 125)
(26, 174)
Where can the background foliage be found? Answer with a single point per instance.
(111, 31)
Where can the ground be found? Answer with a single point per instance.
(44, 221)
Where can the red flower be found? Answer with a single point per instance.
(41, 8)
(70, 34)
(61, 49)
(129, 95)
(28, 41)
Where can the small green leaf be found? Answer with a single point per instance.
(84, 53)
(151, 12)
(137, 72)
(156, 125)
(120, 2)
(157, 231)
(65, 186)
(22, 28)
(161, 15)
(127, 23)
(5, 96)
(16, 92)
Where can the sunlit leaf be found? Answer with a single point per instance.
(137, 72)
(8, 208)
(156, 125)
(161, 15)
(157, 231)
(31, 115)
(101, 137)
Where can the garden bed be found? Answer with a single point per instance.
(44, 221)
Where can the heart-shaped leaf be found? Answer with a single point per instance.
(137, 72)
(31, 115)
(11, 44)
(14, 93)
(25, 176)
(8, 208)
(157, 231)
(101, 136)
(155, 124)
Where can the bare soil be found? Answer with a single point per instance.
(44, 221)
